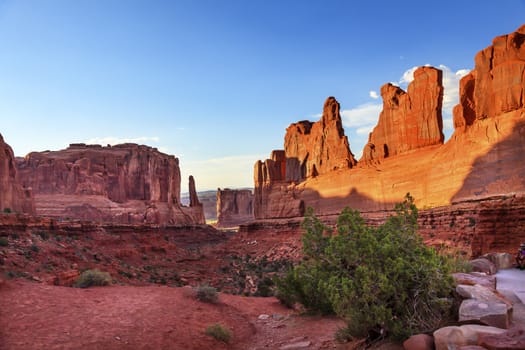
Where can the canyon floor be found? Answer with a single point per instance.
(151, 303)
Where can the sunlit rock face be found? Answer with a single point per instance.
(125, 183)
(483, 162)
(409, 120)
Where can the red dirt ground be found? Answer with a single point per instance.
(40, 316)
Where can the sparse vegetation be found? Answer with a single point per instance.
(3, 242)
(383, 281)
(207, 294)
(7, 211)
(90, 278)
(219, 332)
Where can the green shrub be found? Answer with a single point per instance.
(207, 294)
(219, 332)
(90, 278)
(7, 211)
(3, 242)
(383, 281)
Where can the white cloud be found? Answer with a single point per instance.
(111, 140)
(362, 116)
(450, 84)
(373, 94)
(448, 124)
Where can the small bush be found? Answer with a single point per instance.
(207, 294)
(34, 248)
(90, 278)
(383, 281)
(219, 332)
(7, 211)
(3, 242)
(43, 234)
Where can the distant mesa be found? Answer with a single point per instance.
(234, 207)
(124, 184)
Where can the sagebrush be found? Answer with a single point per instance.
(383, 281)
(207, 294)
(90, 278)
(219, 332)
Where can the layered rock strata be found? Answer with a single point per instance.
(483, 160)
(13, 197)
(409, 120)
(125, 183)
(234, 207)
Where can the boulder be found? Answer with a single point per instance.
(409, 120)
(454, 337)
(510, 340)
(473, 278)
(483, 294)
(483, 265)
(501, 260)
(419, 342)
(491, 314)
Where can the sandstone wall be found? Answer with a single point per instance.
(483, 160)
(13, 197)
(125, 183)
(234, 207)
(409, 120)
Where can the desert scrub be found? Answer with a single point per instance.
(219, 332)
(3, 242)
(90, 278)
(207, 294)
(383, 281)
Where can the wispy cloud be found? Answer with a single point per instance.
(361, 116)
(374, 94)
(112, 140)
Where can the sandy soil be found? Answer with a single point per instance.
(40, 316)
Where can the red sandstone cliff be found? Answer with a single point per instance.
(484, 158)
(126, 183)
(409, 120)
(313, 149)
(13, 197)
(234, 207)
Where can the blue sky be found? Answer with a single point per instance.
(216, 82)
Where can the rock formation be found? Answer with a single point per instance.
(484, 159)
(125, 183)
(409, 120)
(313, 149)
(234, 207)
(13, 197)
(497, 84)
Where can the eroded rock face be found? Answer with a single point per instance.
(13, 197)
(496, 85)
(234, 207)
(409, 120)
(312, 149)
(125, 183)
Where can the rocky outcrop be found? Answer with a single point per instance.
(472, 187)
(13, 197)
(409, 120)
(125, 183)
(234, 207)
(313, 149)
(496, 85)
